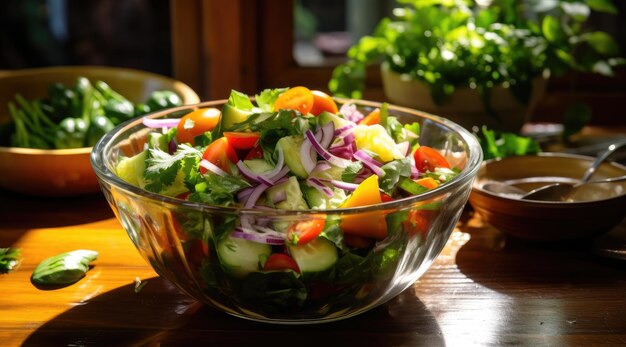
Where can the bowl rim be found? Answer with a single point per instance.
(468, 174)
(539, 203)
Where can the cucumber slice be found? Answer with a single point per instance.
(258, 166)
(232, 115)
(239, 257)
(158, 140)
(131, 169)
(291, 149)
(326, 117)
(293, 195)
(316, 256)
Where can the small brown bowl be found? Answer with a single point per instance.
(67, 172)
(547, 220)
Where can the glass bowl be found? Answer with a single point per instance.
(418, 228)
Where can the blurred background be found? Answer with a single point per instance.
(215, 46)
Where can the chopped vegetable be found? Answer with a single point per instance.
(296, 157)
(64, 268)
(74, 117)
(9, 259)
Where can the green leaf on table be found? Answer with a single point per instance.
(9, 259)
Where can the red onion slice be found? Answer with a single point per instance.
(404, 147)
(317, 184)
(343, 130)
(308, 158)
(211, 167)
(328, 134)
(351, 113)
(370, 162)
(267, 178)
(255, 195)
(344, 185)
(340, 162)
(160, 123)
(257, 237)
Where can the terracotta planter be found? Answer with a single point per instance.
(465, 107)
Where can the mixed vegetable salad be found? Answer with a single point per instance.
(75, 116)
(291, 149)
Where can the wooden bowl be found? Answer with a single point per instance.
(548, 221)
(67, 172)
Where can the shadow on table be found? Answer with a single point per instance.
(160, 315)
(28, 212)
(505, 264)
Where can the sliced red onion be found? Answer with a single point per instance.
(317, 184)
(343, 130)
(328, 134)
(171, 148)
(255, 195)
(369, 162)
(308, 158)
(349, 138)
(244, 194)
(344, 151)
(211, 167)
(268, 231)
(160, 123)
(267, 178)
(415, 174)
(344, 185)
(280, 174)
(257, 237)
(321, 166)
(351, 113)
(340, 162)
(404, 147)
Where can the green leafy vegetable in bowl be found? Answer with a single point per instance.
(75, 117)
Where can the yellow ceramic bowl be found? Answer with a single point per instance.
(67, 172)
(548, 220)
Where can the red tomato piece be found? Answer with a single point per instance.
(219, 153)
(197, 123)
(323, 102)
(385, 197)
(428, 159)
(242, 140)
(255, 153)
(301, 233)
(280, 261)
(297, 98)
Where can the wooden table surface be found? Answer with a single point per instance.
(484, 289)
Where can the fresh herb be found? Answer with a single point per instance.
(162, 168)
(497, 144)
(64, 268)
(9, 259)
(448, 44)
(394, 171)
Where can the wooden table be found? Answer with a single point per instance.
(484, 289)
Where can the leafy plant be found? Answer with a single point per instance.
(479, 44)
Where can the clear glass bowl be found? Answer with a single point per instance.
(418, 228)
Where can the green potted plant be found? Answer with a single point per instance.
(478, 62)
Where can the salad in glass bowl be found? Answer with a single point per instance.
(289, 207)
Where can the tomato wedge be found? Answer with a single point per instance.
(323, 102)
(242, 140)
(280, 261)
(428, 159)
(297, 98)
(219, 153)
(255, 153)
(197, 123)
(303, 232)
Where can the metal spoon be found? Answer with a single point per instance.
(556, 191)
(561, 191)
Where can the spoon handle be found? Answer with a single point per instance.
(592, 169)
